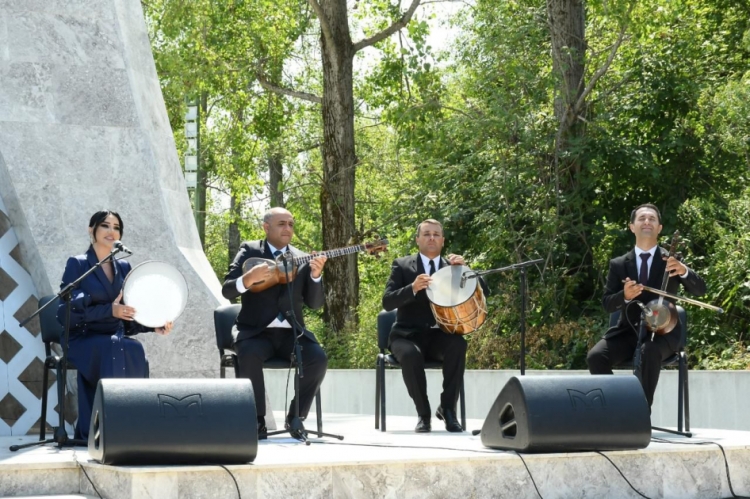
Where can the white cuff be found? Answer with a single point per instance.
(240, 285)
(316, 279)
(687, 271)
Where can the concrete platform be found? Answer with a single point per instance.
(396, 464)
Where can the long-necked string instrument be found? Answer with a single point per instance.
(286, 264)
(663, 318)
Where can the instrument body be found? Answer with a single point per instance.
(157, 291)
(664, 316)
(457, 309)
(288, 264)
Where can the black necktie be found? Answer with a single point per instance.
(280, 316)
(643, 276)
(432, 267)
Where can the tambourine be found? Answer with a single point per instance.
(157, 291)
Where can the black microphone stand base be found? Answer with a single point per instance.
(297, 431)
(687, 434)
(61, 439)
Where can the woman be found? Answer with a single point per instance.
(100, 343)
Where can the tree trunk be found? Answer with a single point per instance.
(567, 19)
(339, 162)
(275, 173)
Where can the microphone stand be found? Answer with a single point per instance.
(294, 427)
(522, 291)
(60, 436)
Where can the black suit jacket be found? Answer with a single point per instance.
(414, 313)
(260, 309)
(614, 294)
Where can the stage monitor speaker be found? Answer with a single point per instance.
(173, 421)
(569, 413)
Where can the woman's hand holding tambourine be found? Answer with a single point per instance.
(121, 311)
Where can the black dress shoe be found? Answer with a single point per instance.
(451, 422)
(423, 425)
(262, 431)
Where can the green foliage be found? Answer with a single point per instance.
(469, 137)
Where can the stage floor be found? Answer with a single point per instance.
(398, 463)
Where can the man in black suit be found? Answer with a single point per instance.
(264, 324)
(415, 334)
(645, 264)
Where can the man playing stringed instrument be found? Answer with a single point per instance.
(646, 264)
(263, 329)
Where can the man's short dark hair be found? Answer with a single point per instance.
(647, 205)
(428, 221)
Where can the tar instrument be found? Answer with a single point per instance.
(458, 305)
(287, 264)
(157, 291)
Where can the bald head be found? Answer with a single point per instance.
(278, 224)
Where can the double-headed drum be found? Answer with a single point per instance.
(458, 309)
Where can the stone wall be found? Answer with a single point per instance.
(83, 127)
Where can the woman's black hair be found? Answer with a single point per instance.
(99, 217)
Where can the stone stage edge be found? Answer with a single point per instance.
(397, 464)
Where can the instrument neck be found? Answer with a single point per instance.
(330, 253)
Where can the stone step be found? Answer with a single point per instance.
(64, 496)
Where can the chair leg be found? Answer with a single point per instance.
(462, 396)
(687, 393)
(377, 394)
(382, 397)
(319, 411)
(45, 388)
(680, 391)
(60, 388)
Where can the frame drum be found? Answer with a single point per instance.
(458, 310)
(157, 291)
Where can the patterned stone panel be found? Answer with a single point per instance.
(21, 348)
(11, 409)
(9, 347)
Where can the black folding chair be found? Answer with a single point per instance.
(679, 359)
(52, 332)
(385, 323)
(224, 319)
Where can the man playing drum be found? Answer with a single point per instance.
(415, 334)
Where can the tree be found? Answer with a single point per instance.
(338, 148)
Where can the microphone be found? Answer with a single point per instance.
(646, 311)
(120, 247)
(463, 281)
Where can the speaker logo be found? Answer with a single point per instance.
(185, 407)
(589, 401)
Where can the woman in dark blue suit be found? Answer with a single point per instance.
(101, 327)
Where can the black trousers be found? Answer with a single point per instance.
(432, 344)
(279, 342)
(614, 351)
